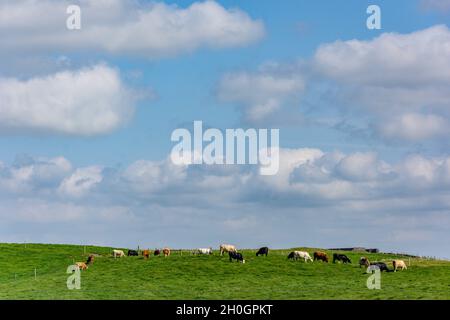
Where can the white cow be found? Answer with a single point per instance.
(227, 248)
(399, 264)
(118, 253)
(204, 251)
(300, 255)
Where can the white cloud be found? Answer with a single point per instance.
(290, 159)
(39, 175)
(85, 102)
(415, 127)
(151, 30)
(82, 181)
(362, 167)
(263, 94)
(424, 172)
(319, 190)
(397, 84)
(392, 59)
(398, 81)
(145, 176)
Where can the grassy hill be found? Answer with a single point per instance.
(185, 276)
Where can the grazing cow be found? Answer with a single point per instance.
(399, 264)
(263, 251)
(363, 261)
(118, 253)
(81, 265)
(157, 252)
(146, 254)
(133, 253)
(227, 248)
(318, 255)
(340, 257)
(381, 265)
(204, 251)
(236, 256)
(295, 255)
(166, 252)
(90, 259)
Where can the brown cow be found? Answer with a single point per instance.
(318, 255)
(81, 265)
(166, 252)
(90, 259)
(363, 261)
(146, 254)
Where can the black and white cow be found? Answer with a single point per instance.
(340, 257)
(236, 256)
(132, 253)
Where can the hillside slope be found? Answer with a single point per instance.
(186, 276)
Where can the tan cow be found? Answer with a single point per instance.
(146, 254)
(166, 252)
(399, 264)
(118, 253)
(81, 265)
(227, 248)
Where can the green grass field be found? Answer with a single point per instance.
(186, 276)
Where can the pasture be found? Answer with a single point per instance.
(187, 276)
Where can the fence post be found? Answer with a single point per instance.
(35, 273)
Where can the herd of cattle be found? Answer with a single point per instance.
(264, 251)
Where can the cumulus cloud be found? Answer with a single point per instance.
(392, 59)
(303, 173)
(82, 181)
(33, 175)
(396, 84)
(151, 30)
(263, 94)
(397, 80)
(326, 191)
(363, 167)
(85, 102)
(414, 127)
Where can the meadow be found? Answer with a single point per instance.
(187, 276)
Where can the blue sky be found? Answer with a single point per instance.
(86, 118)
